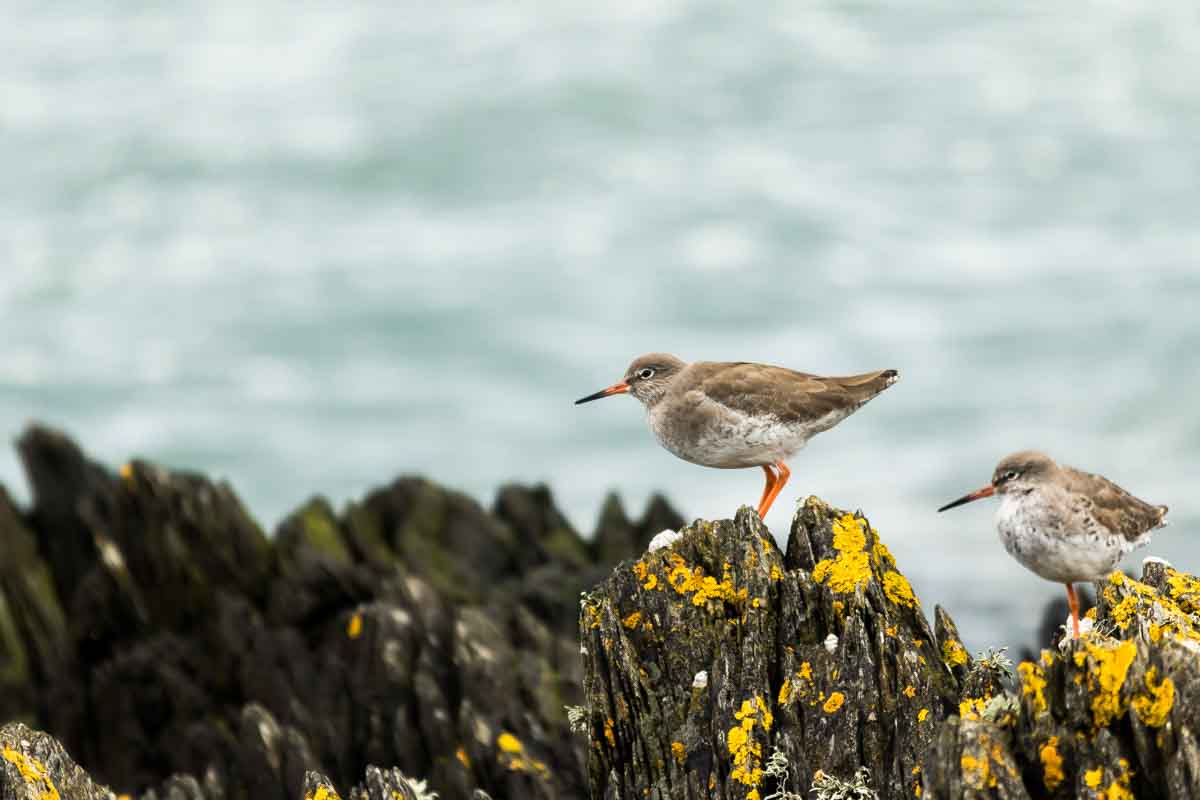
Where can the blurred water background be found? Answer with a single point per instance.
(307, 247)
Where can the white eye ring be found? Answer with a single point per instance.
(1008, 476)
(646, 374)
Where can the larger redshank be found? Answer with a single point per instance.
(733, 415)
(1064, 524)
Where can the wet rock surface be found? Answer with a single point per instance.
(416, 643)
(150, 625)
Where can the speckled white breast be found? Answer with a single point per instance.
(732, 440)
(1047, 540)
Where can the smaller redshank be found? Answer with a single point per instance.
(733, 415)
(1064, 524)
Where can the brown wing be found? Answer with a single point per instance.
(790, 395)
(1112, 507)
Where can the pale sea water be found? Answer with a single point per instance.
(309, 246)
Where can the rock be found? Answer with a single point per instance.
(175, 650)
(818, 663)
(723, 600)
(33, 632)
(34, 766)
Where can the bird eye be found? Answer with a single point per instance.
(1008, 476)
(646, 374)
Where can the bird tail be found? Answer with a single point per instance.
(863, 387)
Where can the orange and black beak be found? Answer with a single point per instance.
(986, 491)
(616, 388)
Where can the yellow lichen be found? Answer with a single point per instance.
(954, 654)
(746, 753)
(1107, 667)
(678, 752)
(977, 771)
(1033, 684)
(703, 588)
(463, 758)
(1118, 791)
(592, 612)
(1052, 771)
(834, 702)
(1047, 658)
(513, 756)
(883, 556)
(972, 707)
(1154, 706)
(608, 732)
(126, 471)
(646, 578)
(910, 691)
(898, 590)
(632, 620)
(785, 692)
(1185, 589)
(32, 772)
(322, 793)
(1092, 777)
(776, 573)
(922, 714)
(851, 568)
(354, 626)
(1119, 788)
(1122, 613)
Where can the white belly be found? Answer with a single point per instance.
(731, 440)
(1048, 544)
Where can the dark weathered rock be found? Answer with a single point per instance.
(33, 632)
(34, 766)
(147, 621)
(704, 657)
(177, 652)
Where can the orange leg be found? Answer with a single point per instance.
(776, 488)
(1073, 602)
(771, 478)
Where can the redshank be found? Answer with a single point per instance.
(1064, 524)
(733, 415)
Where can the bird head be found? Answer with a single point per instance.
(647, 379)
(1018, 473)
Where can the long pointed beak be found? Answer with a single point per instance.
(616, 388)
(986, 491)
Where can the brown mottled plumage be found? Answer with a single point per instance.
(732, 415)
(1065, 524)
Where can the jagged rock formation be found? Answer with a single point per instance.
(148, 623)
(178, 653)
(710, 658)
(1113, 715)
(705, 657)
(34, 766)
